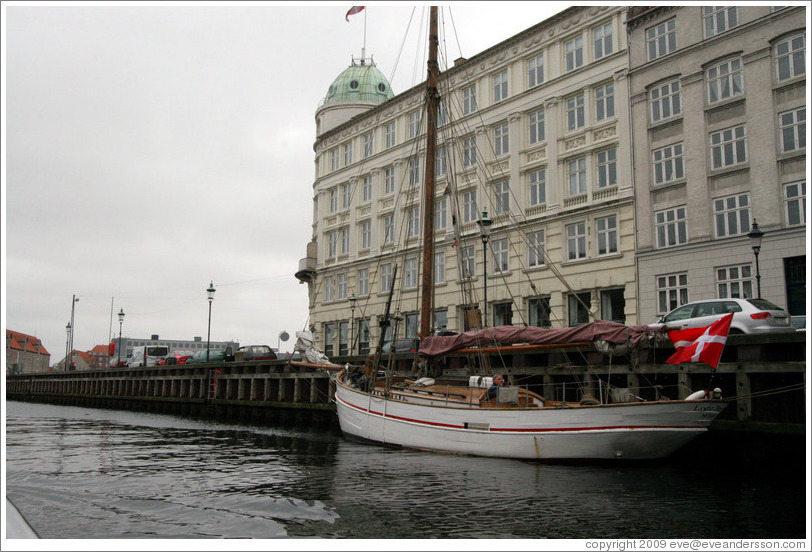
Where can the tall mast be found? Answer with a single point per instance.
(432, 101)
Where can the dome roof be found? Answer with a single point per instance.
(364, 83)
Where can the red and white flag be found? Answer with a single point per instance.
(353, 11)
(701, 344)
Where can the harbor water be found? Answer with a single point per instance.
(84, 473)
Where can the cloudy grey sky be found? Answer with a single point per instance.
(150, 148)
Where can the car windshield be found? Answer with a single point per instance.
(763, 304)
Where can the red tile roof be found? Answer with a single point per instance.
(17, 340)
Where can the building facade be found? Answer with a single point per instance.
(25, 354)
(718, 104)
(532, 132)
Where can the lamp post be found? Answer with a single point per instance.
(72, 329)
(353, 299)
(485, 233)
(67, 345)
(210, 292)
(120, 324)
(755, 236)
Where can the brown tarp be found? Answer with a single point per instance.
(611, 332)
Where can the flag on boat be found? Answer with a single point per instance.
(353, 11)
(701, 344)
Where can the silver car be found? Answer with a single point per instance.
(750, 316)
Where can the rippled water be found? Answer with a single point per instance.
(93, 473)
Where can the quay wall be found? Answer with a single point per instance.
(764, 377)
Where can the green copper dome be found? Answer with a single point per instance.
(362, 82)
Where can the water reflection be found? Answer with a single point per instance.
(117, 474)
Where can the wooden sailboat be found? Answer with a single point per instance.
(449, 416)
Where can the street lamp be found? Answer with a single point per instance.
(485, 233)
(67, 345)
(72, 329)
(755, 236)
(353, 299)
(210, 291)
(120, 324)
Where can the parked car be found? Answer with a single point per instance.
(255, 352)
(750, 316)
(146, 355)
(215, 355)
(176, 357)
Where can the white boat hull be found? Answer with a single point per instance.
(631, 431)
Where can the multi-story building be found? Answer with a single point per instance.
(718, 104)
(25, 354)
(534, 131)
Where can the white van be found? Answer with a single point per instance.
(147, 355)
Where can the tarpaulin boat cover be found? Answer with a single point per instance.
(601, 330)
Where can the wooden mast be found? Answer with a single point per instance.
(432, 102)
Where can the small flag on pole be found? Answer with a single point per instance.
(353, 11)
(701, 344)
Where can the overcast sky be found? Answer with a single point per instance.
(151, 148)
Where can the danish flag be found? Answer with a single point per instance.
(353, 11)
(701, 344)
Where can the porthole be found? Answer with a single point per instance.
(381, 87)
(354, 84)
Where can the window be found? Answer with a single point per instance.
(500, 255)
(575, 112)
(789, 57)
(333, 200)
(538, 187)
(502, 314)
(668, 164)
(366, 188)
(347, 154)
(343, 332)
(411, 324)
(535, 71)
(414, 171)
(368, 144)
(440, 162)
(469, 151)
(332, 246)
(413, 222)
(537, 126)
(346, 196)
(732, 215)
(363, 282)
(576, 241)
(574, 53)
(414, 124)
(390, 135)
(728, 147)
(607, 168)
(439, 267)
(672, 291)
(366, 235)
(389, 180)
(441, 320)
(469, 100)
(329, 288)
(500, 86)
(386, 277)
(469, 208)
(576, 176)
(661, 39)
(329, 338)
(345, 241)
(410, 273)
(388, 229)
(670, 227)
(468, 269)
(341, 285)
(363, 336)
(795, 203)
(718, 19)
(606, 235)
(500, 141)
(725, 80)
(535, 248)
(334, 159)
(539, 312)
(613, 305)
(665, 101)
(442, 112)
(734, 281)
(604, 102)
(793, 129)
(602, 40)
(578, 308)
(501, 192)
(440, 221)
